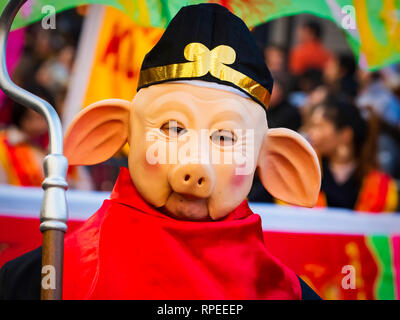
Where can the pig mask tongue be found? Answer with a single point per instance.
(185, 207)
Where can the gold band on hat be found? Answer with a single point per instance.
(201, 61)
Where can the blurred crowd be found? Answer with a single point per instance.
(43, 67)
(350, 116)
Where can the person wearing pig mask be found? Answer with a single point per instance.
(177, 224)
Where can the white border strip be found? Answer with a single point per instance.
(331, 221)
(26, 202)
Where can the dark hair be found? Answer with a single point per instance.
(283, 82)
(344, 114)
(19, 111)
(347, 64)
(314, 27)
(276, 46)
(375, 75)
(309, 80)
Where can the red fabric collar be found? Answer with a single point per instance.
(129, 250)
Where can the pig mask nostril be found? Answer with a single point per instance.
(192, 180)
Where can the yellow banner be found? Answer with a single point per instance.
(120, 50)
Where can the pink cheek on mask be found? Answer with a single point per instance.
(150, 166)
(153, 167)
(238, 180)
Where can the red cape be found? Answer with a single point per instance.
(129, 250)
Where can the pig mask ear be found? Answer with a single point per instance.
(289, 168)
(97, 132)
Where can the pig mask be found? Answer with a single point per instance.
(194, 148)
(194, 189)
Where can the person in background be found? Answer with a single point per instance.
(37, 50)
(280, 114)
(275, 58)
(23, 145)
(374, 93)
(340, 75)
(309, 53)
(15, 45)
(346, 145)
(305, 85)
(105, 174)
(55, 73)
(391, 77)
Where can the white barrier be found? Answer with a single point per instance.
(26, 202)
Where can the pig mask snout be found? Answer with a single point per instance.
(192, 179)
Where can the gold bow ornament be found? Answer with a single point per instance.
(201, 60)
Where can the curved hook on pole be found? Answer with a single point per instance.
(53, 213)
(20, 95)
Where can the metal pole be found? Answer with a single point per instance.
(53, 213)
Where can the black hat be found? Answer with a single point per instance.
(207, 42)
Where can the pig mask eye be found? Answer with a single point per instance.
(173, 128)
(223, 137)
